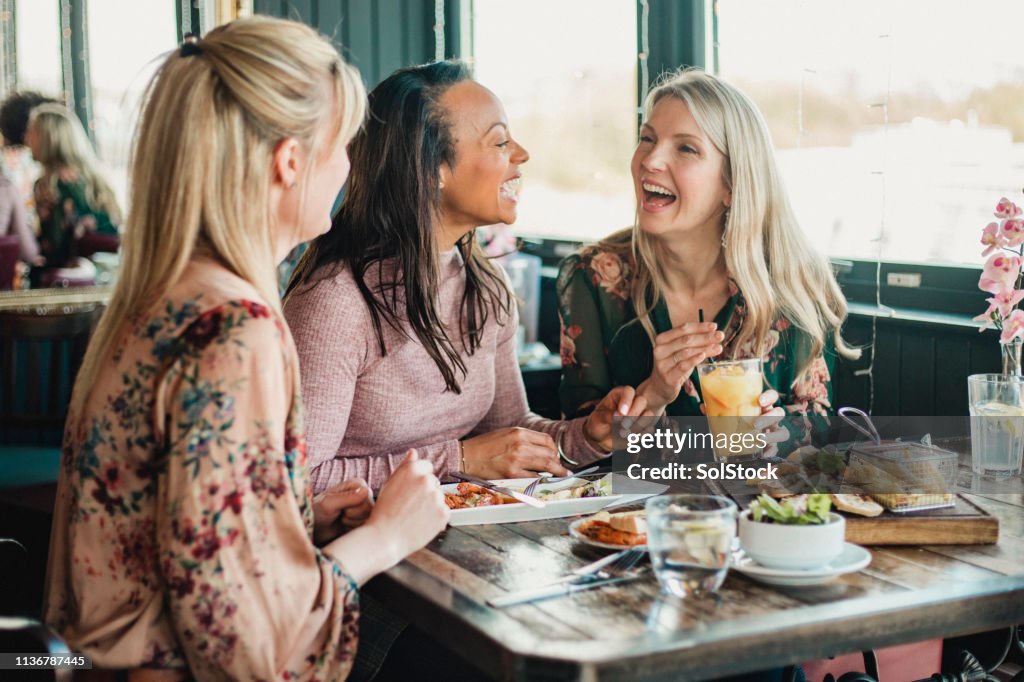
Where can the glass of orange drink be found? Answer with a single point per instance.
(731, 390)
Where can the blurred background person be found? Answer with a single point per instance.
(72, 196)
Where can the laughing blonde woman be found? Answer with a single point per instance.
(714, 233)
(186, 543)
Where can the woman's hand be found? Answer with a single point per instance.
(676, 353)
(622, 401)
(511, 453)
(769, 422)
(341, 508)
(410, 509)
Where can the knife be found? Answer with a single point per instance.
(532, 501)
(550, 591)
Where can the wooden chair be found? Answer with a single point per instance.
(39, 359)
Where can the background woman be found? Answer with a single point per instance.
(714, 232)
(72, 198)
(405, 331)
(185, 538)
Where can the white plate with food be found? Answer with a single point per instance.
(472, 505)
(619, 530)
(853, 558)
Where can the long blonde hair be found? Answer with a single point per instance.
(202, 157)
(765, 250)
(61, 144)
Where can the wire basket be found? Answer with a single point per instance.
(901, 476)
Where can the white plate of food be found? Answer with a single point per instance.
(472, 505)
(619, 530)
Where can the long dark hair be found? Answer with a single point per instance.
(387, 220)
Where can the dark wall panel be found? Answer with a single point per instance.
(921, 369)
(390, 33)
(377, 36)
(917, 373)
(418, 38)
(330, 23)
(360, 33)
(952, 364)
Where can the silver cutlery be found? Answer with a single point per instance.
(545, 478)
(639, 504)
(585, 583)
(607, 567)
(514, 494)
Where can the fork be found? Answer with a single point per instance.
(545, 477)
(625, 560)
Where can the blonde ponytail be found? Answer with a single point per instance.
(202, 158)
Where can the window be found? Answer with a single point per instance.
(37, 32)
(566, 73)
(895, 140)
(126, 42)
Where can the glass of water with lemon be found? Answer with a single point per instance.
(997, 424)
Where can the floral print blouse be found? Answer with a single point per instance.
(182, 534)
(603, 346)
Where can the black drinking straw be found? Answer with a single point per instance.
(700, 318)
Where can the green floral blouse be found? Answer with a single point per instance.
(603, 345)
(182, 533)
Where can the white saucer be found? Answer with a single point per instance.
(852, 558)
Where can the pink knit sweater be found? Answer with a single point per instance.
(364, 410)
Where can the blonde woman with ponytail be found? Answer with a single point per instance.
(186, 543)
(715, 233)
(72, 196)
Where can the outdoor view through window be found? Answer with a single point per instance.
(899, 125)
(120, 64)
(566, 72)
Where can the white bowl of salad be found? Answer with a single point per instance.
(799, 532)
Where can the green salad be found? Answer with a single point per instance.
(799, 510)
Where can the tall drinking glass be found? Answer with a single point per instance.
(731, 390)
(690, 539)
(997, 424)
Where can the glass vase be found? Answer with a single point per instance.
(1011, 356)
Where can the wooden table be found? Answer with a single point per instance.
(632, 632)
(54, 301)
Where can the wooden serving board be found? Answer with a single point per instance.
(963, 524)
